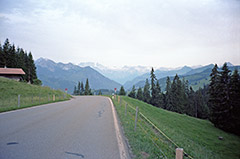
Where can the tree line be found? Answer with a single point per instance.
(81, 90)
(224, 99)
(219, 101)
(12, 57)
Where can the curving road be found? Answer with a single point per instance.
(80, 128)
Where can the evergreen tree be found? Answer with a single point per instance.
(176, 98)
(32, 68)
(12, 60)
(139, 94)
(158, 101)
(21, 61)
(214, 100)
(202, 110)
(78, 88)
(184, 95)
(224, 114)
(222, 111)
(1, 56)
(75, 90)
(191, 107)
(146, 92)
(100, 92)
(132, 94)
(234, 96)
(6, 53)
(87, 88)
(168, 95)
(25, 68)
(153, 88)
(82, 89)
(122, 91)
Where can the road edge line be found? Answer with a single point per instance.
(121, 145)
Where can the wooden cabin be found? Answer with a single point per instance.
(12, 73)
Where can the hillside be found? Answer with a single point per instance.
(199, 138)
(61, 76)
(197, 78)
(29, 94)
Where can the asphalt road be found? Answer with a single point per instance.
(80, 128)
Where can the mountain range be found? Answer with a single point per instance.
(196, 78)
(121, 75)
(61, 76)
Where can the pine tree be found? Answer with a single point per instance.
(184, 95)
(1, 56)
(202, 108)
(100, 92)
(224, 109)
(139, 94)
(82, 89)
(6, 53)
(191, 107)
(21, 61)
(146, 92)
(214, 100)
(87, 88)
(153, 88)
(168, 95)
(234, 96)
(132, 94)
(32, 68)
(158, 100)
(78, 88)
(12, 60)
(75, 90)
(177, 96)
(26, 67)
(122, 91)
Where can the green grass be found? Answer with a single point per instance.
(198, 138)
(30, 95)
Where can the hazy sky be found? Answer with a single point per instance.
(157, 33)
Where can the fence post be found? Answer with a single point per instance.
(120, 100)
(19, 100)
(53, 97)
(136, 118)
(179, 153)
(126, 109)
(39, 98)
(32, 99)
(48, 98)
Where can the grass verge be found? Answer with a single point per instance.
(30, 95)
(198, 138)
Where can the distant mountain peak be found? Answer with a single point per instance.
(229, 64)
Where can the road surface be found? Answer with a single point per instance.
(80, 128)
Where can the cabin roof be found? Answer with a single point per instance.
(12, 71)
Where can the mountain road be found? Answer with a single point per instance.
(83, 127)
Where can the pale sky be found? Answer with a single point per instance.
(157, 33)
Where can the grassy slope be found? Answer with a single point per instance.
(10, 89)
(198, 137)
